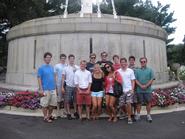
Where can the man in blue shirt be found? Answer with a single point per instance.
(144, 80)
(47, 87)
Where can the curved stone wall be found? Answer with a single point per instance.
(124, 36)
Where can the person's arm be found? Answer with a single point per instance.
(56, 78)
(139, 84)
(41, 91)
(149, 83)
(39, 75)
(63, 81)
(76, 82)
(90, 82)
(133, 85)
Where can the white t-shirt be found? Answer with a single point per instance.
(69, 72)
(127, 77)
(82, 78)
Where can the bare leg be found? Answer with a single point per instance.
(99, 106)
(107, 98)
(129, 110)
(148, 108)
(58, 109)
(113, 109)
(68, 108)
(88, 111)
(80, 111)
(138, 108)
(45, 111)
(50, 111)
(94, 107)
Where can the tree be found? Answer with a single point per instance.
(159, 14)
(175, 54)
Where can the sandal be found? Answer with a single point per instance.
(47, 120)
(115, 119)
(110, 119)
(52, 118)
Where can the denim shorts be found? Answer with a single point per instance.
(97, 94)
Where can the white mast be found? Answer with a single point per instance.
(65, 11)
(114, 10)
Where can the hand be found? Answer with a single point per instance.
(88, 92)
(131, 91)
(63, 90)
(41, 93)
(143, 87)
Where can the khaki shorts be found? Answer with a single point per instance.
(50, 99)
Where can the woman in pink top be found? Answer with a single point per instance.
(116, 64)
(109, 93)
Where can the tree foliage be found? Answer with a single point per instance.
(176, 54)
(159, 14)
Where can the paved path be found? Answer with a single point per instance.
(164, 126)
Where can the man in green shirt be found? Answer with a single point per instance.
(144, 79)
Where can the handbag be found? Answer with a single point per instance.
(117, 88)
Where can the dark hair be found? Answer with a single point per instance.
(92, 54)
(47, 54)
(143, 58)
(62, 55)
(115, 57)
(132, 57)
(123, 59)
(103, 53)
(71, 55)
(112, 69)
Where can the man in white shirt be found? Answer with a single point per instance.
(68, 88)
(59, 69)
(83, 80)
(128, 79)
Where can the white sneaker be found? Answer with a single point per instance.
(137, 117)
(149, 118)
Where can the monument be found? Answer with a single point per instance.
(81, 34)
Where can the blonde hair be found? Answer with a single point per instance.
(100, 71)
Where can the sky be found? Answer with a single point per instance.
(179, 9)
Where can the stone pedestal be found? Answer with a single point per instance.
(124, 36)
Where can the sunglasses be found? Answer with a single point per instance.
(143, 61)
(93, 57)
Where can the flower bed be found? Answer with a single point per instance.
(170, 96)
(27, 100)
(31, 100)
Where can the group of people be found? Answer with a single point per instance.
(87, 85)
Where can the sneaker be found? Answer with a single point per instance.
(149, 118)
(76, 115)
(130, 121)
(137, 117)
(69, 117)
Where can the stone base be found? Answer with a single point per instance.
(31, 88)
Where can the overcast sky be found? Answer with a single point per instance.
(178, 6)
